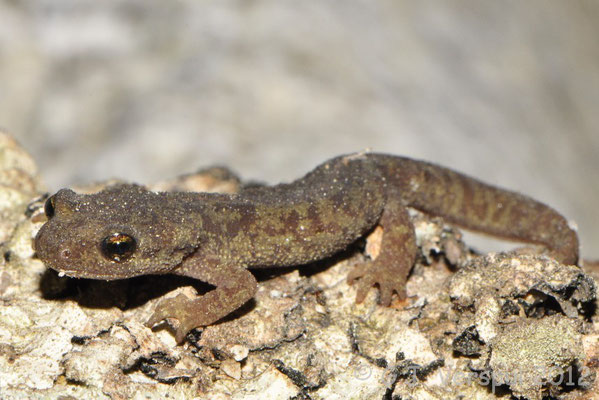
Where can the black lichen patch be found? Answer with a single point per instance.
(468, 343)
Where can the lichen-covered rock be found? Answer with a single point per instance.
(18, 184)
(535, 357)
(499, 286)
(519, 319)
(526, 277)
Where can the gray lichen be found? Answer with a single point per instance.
(536, 356)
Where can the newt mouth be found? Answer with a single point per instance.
(77, 274)
(69, 273)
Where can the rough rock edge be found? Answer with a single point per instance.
(302, 335)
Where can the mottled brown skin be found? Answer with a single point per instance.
(216, 237)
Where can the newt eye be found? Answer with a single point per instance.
(118, 247)
(49, 207)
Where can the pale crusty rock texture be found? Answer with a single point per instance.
(302, 336)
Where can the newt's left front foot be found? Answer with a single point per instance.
(176, 308)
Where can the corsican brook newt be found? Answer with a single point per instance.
(125, 230)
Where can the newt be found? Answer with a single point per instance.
(126, 230)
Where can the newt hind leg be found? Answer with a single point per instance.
(389, 270)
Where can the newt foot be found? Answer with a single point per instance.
(175, 308)
(370, 273)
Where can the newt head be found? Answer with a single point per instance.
(120, 232)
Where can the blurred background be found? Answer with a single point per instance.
(148, 89)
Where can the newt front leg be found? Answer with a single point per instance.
(235, 285)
